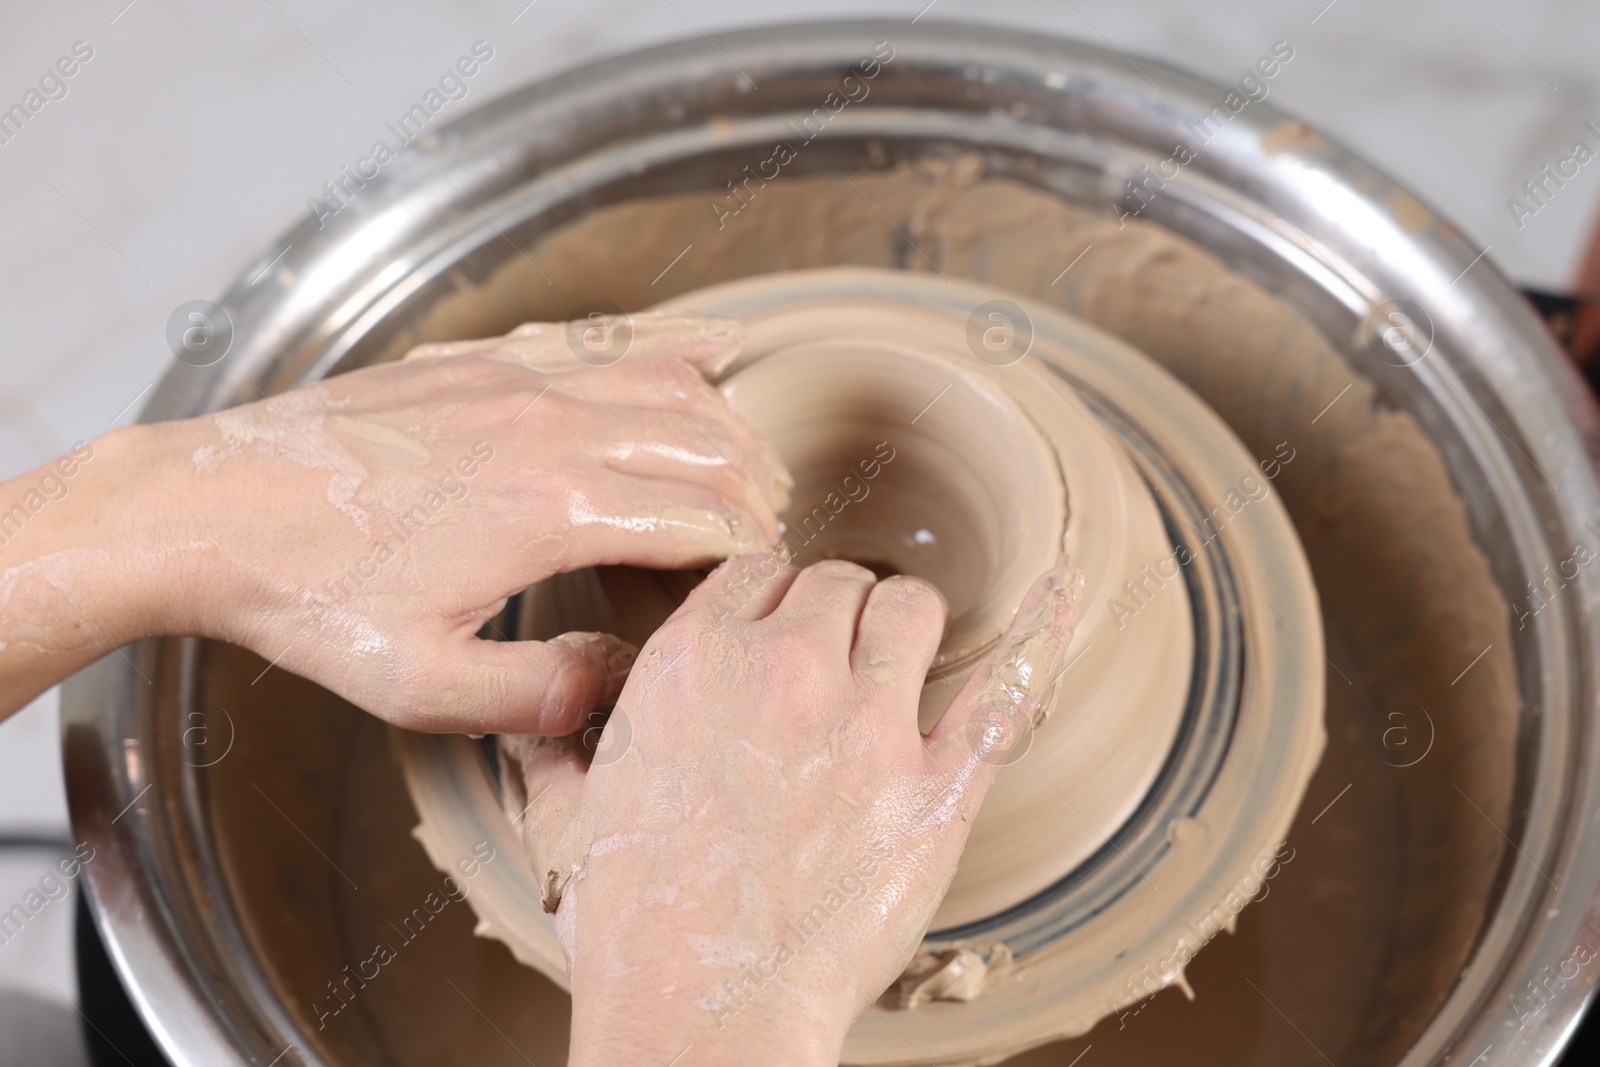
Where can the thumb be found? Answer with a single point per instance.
(523, 687)
(991, 721)
(555, 825)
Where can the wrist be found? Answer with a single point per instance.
(163, 524)
(120, 540)
(644, 1023)
(70, 589)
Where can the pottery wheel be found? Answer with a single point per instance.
(1147, 806)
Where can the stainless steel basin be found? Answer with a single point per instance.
(223, 952)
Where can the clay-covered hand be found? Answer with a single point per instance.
(766, 840)
(361, 530)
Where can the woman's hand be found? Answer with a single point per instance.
(762, 859)
(361, 530)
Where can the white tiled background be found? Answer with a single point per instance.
(200, 127)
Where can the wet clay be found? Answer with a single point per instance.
(1002, 477)
(1373, 910)
(976, 471)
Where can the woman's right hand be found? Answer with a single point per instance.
(761, 852)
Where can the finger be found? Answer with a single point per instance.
(704, 342)
(519, 687)
(828, 597)
(449, 349)
(745, 587)
(898, 636)
(536, 345)
(996, 710)
(650, 522)
(661, 384)
(547, 773)
(662, 375)
(668, 445)
(552, 774)
(670, 385)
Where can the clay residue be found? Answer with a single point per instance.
(1376, 918)
(957, 973)
(295, 427)
(1026, 662)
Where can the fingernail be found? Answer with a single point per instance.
(721, 330)
(726, 337)
(620, 662)
(745, 536)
